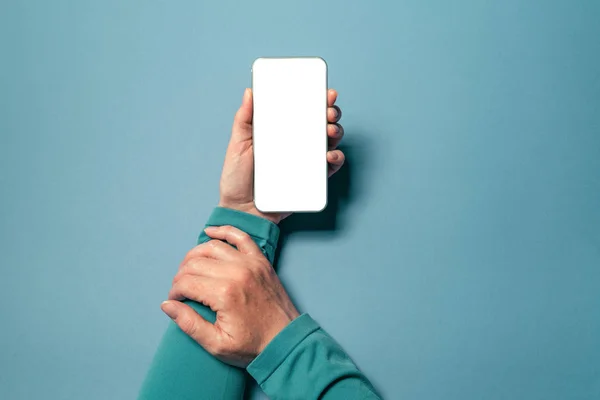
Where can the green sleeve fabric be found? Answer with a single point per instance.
(301, 362)
(182, 369)
(264, 232)
(304, 362)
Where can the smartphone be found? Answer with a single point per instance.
(290, 134)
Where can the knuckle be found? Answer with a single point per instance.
(244, 276)
(190, 254)
(192, 266)
(184, 284)
(229, 290)
(204, 248)
(184, 278)
(246, 239)
(176, 280)
(212, 246)
(242, 234)
(183, 271)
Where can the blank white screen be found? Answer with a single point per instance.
(290, 134)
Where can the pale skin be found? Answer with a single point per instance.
(238, 283)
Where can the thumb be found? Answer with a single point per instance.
(242, 123)
(190, 322)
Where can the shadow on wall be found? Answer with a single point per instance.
(343, 189)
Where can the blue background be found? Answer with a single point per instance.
(460, 257)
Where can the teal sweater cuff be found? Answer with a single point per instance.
(253, 225)
(280, 347)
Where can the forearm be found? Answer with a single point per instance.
(181, 368)
(302, 361)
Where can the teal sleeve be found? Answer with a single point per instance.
(264, 232)
(304, 362)
(182, 369)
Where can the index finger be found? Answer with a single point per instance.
(331, 97)
(214, 249)
(234, 236)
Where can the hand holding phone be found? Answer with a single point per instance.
(236, 185)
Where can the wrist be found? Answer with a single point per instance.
(277, 327)
(249, 208)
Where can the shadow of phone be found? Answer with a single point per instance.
(343, 189)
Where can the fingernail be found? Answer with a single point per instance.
(246, 94)
(334, 156)
(169, 308)
(335, 113)
(210, 229)
(337, 129)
